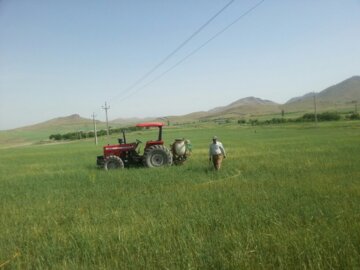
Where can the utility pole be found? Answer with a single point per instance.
(95, 131)
(166, 119)
(315, 114)
(106, 108)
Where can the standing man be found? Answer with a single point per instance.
(216, 153)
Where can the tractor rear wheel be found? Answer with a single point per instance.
(113, 162)
(157, 156)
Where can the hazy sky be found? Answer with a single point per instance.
(63, 57)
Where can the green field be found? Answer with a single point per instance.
(34, 135)
(287, 197)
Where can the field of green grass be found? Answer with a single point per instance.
(287, 197)
(33, 135)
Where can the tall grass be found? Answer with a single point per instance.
(288, 197)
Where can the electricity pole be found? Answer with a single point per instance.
(106, 108)
(95, 131)
(315, 114)
(166, 119)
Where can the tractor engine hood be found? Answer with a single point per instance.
(116, 149)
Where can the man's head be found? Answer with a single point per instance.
(215, 139)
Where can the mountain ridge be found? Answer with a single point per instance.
(70, 120)
(335, 97)
(332, 97)
(244, 102)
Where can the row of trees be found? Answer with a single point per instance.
(76, 135)
(353, 116)
(87, 134)
(307, 117)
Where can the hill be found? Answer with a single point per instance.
(62, 124)
(240, 108)
(42, 131)
(336, 97)
(246, 106)
(251, 102)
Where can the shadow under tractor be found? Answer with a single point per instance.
(156, 154)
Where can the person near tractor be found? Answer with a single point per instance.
(216, 153)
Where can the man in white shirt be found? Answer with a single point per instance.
(216, 153)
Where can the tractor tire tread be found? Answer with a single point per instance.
(168, 159)
(118, 161)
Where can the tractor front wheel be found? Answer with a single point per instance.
(113, 162)
(157, 156)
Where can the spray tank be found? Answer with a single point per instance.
(181, 150)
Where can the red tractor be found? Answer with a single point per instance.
(124, 154)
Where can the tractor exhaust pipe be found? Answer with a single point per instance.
(160, 133)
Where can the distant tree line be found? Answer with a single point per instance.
(307, 117)
(78, 135)
(353, 116)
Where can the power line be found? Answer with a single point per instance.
(175, 50)
(197, 49)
